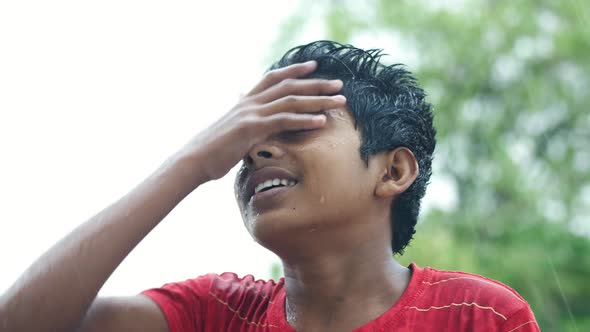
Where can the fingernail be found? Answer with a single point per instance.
(336, 82)
(339, 98)
(319, 118)
(311, 63)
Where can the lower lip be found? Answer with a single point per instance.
(270, 194)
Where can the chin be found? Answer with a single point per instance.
(271, 223)
(282, 231)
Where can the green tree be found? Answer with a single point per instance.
(510, 81)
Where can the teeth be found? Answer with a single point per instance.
(273, 182)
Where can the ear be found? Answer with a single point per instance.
(399, 170)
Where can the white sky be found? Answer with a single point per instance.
(95, 96)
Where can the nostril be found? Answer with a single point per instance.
(264, 154)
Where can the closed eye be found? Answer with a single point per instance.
(299, 135)
(296, 135)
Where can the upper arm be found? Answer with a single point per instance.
(124, 313)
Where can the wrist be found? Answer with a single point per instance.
(187, 169)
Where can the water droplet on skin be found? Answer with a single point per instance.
(332, 145)
(311, 230)
(337, 114)
(322, 199)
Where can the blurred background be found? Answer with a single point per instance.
(93, 97)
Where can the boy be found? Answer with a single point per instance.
(337, 151)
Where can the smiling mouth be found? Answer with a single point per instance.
(272, 190)
(274, 183)
(265, 181)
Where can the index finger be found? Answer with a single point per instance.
(275, 76)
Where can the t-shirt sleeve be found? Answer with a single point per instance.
(522, 321)
(183, 303)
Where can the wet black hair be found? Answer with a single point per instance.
(390, 109)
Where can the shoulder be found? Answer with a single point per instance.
(221, 301)
(469, 299)
(474, 290)
(229, 287)
(225, 286)
(463, 289)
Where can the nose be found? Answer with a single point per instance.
(263, 152)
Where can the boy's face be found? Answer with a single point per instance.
(334, 187)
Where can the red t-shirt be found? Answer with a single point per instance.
(434, 301)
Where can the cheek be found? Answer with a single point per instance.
(337, 180)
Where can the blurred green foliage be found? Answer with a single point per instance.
(510, 82)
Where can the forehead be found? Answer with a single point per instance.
(340, 124)
(339, 127)
(339, 116)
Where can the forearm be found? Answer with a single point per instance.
(54, 293)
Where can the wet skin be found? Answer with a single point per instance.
(332, 229)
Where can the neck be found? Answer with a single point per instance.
(342, 290)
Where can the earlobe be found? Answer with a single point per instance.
(399, 172)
